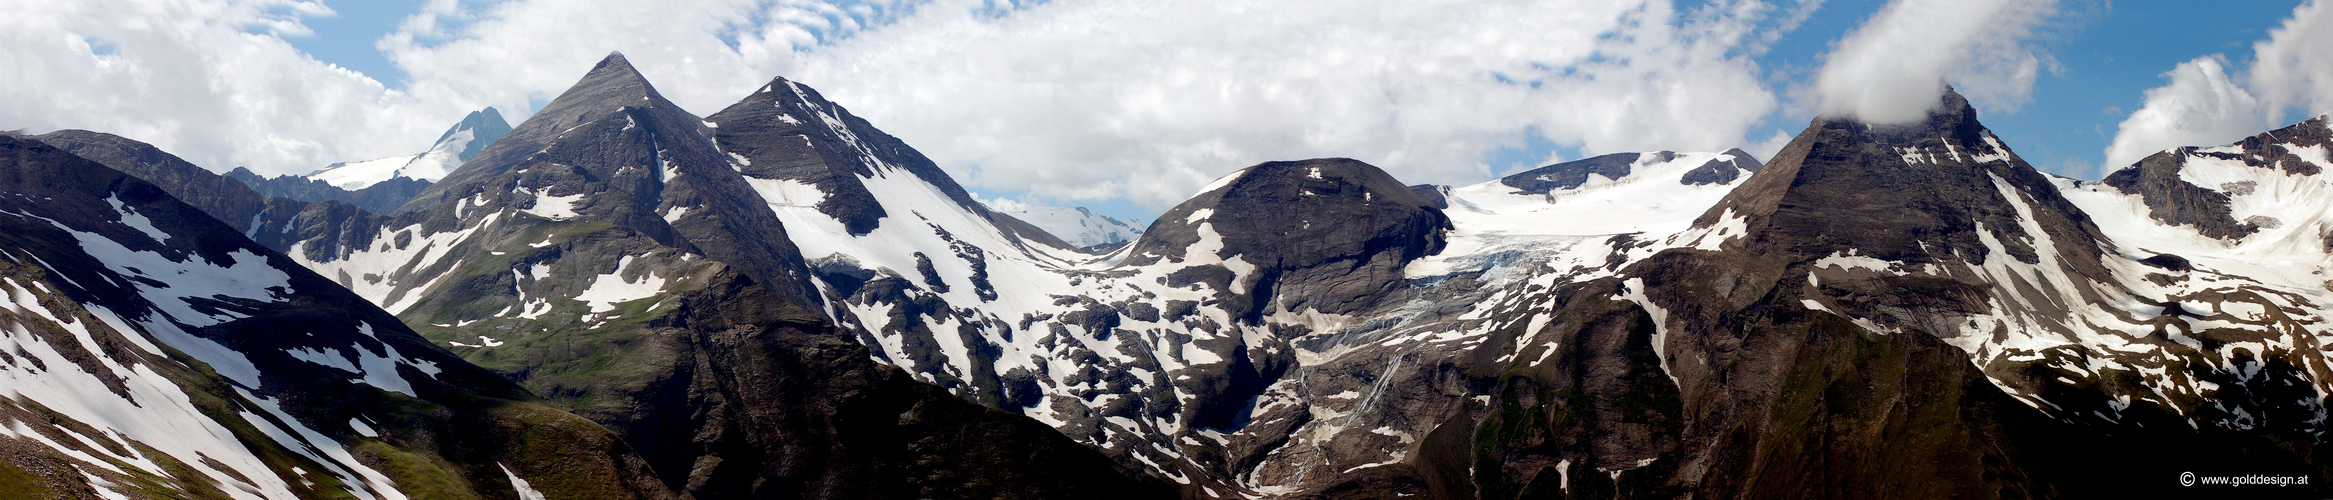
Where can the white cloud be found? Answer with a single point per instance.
(1150, 99)
(516, 52)
(2205, 104)
(1766, 149)
(211, 81)
(1892, 68)
(1003, 204)
(2201, 106)
(2293, 68)
(1068, 100)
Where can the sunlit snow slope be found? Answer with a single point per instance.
(150, 351)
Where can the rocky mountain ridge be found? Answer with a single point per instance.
(587, 273)
(154, 353)
(1879, 310)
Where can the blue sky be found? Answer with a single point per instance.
(1126, 106)
(2107, 57)
(346, 37)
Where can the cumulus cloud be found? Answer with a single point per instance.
(1893, 67)
(703, 55)
(2207, 104)
(1003, 204)
(212, 81)
(1067, 100)
(2293, 68)
(2202, 105)
(1151, 99)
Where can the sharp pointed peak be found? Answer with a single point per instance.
(1953, 105)
(781, 88)
(1951, 116)
(615, 66)
(614, 58)
(1948, 107)
(612, 80)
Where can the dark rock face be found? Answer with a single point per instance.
(237, 205)
(1882, 311)
(380, 198)
(1834, 191)
(1329, 234)
(163, 287)
(1572, 174)
(785, 150)
(607, 91)
(336, 226)
(1790, 372)
(625, 269)
(780, 404)
(640, 162)
(788, 131)
(222, 198)
(1725, 170)
(2175, 201)
(1436, 194)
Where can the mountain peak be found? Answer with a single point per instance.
(1908, 192)
(614, 76)
(608, 89)
(615, 66)
(2166, 179)
(1951, 116)
(1332, 231)
(486, 126)
(787, 130)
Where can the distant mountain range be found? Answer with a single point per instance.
(618, 298)
(381, 185)
(1078, 226)
(465, 140)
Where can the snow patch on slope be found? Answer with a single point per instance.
(613, 288)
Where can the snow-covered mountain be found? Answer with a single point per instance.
(380, 185)
(1301, 327)
(459, 143)
(1078, 226)
(624, 258)
(780, 299)
(149, 351)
